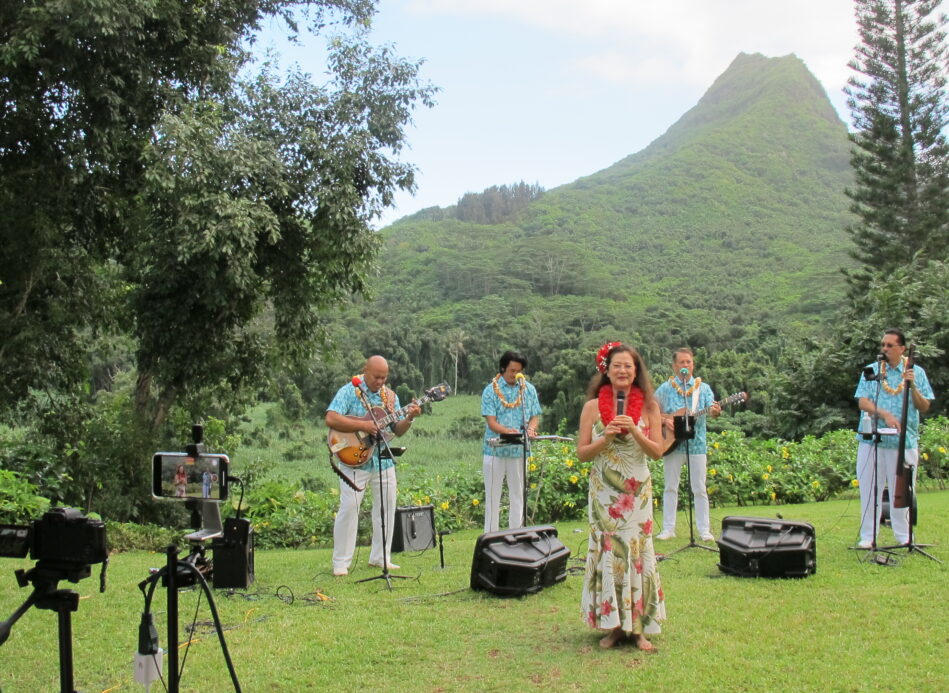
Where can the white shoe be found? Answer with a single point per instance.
(865, 544)
(707, 536)
(340, 572)
(666, 535)
(390, 565)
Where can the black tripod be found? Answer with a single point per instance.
(684, 428)
(44, 578)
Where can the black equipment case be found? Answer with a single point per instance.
(515, 562)
(762, 547)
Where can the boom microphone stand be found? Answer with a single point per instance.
(382, 505)
(684, 428)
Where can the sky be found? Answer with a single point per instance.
(548, 91)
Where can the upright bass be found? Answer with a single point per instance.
(902, 495)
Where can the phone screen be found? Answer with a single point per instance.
(178, 475)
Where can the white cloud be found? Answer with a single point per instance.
(681, 42)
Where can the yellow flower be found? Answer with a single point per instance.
(532, 467)
(475, 502)
(712, 472)
(655, 502)
(427, 499)
(765, 476)
(773, 495)
(770, 468)
(854, 483)
(569, 463)
(942, 450)
(584, 471)
(716, 445)
(574, 479)
(533, 486)
(444, 505)
(815, 484)
(785, 453)
(731, 477)
(925, 455)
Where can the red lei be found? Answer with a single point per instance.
(634, 404)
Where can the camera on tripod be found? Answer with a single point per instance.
(62, 539)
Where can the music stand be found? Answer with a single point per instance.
(684, 430)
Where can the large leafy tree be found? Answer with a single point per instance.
(900, 109)
(137, 170)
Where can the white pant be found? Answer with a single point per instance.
(347, 518)
(672, 468)
(885, 472)
(495, 469)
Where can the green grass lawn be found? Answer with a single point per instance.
(854, 626)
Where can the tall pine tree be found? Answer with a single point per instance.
(899, 107)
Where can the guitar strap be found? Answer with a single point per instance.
(349, 482)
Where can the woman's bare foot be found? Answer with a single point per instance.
(643, 644)
(611, 638)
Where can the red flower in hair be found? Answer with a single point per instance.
(602, 354)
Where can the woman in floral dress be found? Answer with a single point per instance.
(622, 594)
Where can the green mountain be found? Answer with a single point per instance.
(727, 228)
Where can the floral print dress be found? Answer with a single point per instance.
(621, 586)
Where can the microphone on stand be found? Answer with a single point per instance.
(881, 356)
(683, 375)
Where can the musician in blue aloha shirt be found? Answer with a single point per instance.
(344, 414)
(507, 402)
(882, 398)
(680, 391)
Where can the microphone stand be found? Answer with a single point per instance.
(382, 503)
(875, 436)
(684, 434)
(525, 455)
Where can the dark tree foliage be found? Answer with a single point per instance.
(900, 109)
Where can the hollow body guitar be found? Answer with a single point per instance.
(669, 437)
(355, 448)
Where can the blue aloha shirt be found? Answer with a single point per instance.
(512, 418)
(671, 400)
(347, 403)
(894, 403)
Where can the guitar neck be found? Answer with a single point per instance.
(393, 417)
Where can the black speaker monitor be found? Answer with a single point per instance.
(515, 562)
(762, 547)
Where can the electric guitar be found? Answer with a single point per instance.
(669, 436)
(355, 448)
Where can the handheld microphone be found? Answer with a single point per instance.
(620, 403)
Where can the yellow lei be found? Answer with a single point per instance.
(504, 402)
(885, 384)
(697, 383)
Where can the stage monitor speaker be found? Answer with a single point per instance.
(233, 564)
(515, 562)
(414, 528)
(762, 547)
